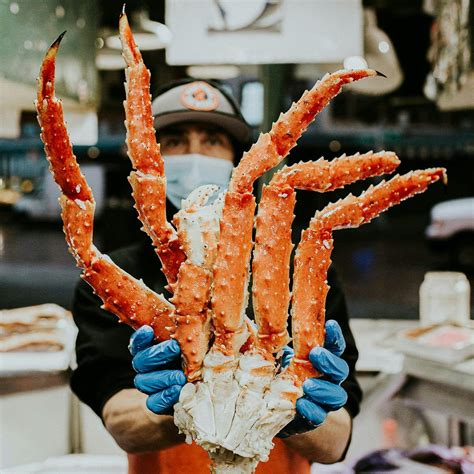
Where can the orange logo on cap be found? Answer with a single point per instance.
(200, 96)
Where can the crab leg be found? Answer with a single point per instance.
(273, 146)
(271, 262)
(122, 294)
(198, 231)
(148, 181)
(313, 257)
(230, 293)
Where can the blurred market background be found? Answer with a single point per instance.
(423, 112)
(272, 51)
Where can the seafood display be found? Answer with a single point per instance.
(238, 397)
(40, 328)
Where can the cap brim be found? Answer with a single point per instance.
(232, 125)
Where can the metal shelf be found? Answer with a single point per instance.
(364, 138)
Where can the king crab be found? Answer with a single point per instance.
(238, 397)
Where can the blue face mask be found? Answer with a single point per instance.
(184, 173)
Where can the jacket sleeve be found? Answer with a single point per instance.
(336, 308)
(103, 360)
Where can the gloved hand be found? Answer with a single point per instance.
(158, 370)
(321, 395)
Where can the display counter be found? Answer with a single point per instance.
(36, 399)
(435, 398)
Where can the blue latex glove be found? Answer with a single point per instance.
(321, 395)
(158, 370)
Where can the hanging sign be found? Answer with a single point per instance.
(263, 32)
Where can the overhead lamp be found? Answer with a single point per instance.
(355, 62)
(379, 54)
(108, 59)
(213, 71)
(149, 35)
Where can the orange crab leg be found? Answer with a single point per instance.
(53, 132)
(127, 297)
(231, 273)
(148, 181)
(193, 328)
(271, 268)
(271, 262)
(229, 297)
(313, 257)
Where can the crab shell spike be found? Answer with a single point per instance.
(313, 257)
(273, 146)
(271, 263)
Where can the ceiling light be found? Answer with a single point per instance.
(109, 60)
(355, 62)
(149, 35)
(384, 47)
(213, 71)
(379, 54)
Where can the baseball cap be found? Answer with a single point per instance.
(194, 100)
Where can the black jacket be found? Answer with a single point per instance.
(103, 360)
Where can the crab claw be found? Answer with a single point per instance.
(148, 180)
(47, 74)
(122, 294)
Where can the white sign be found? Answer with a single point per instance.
(263, 32)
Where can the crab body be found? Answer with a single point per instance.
(238, 397)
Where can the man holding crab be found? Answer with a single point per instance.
(202, 136)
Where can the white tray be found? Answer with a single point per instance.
(12, 363)
(446, 343)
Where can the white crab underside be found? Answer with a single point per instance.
(236, 411)
(241, 402)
